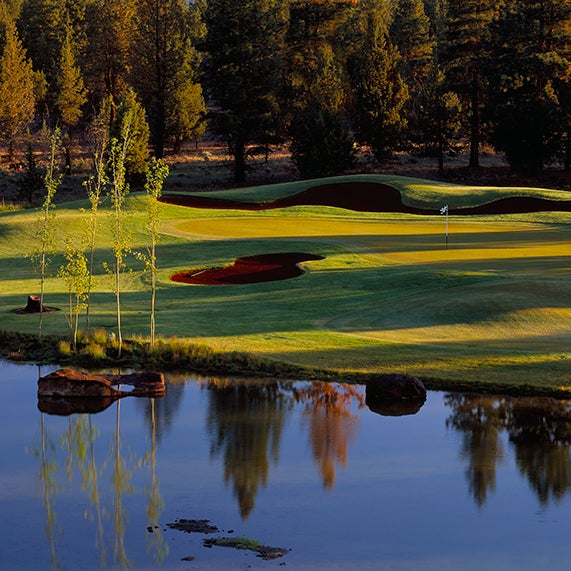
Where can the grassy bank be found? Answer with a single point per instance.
(491, 310)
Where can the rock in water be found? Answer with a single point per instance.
(395, 387)
(67, 383)
(71, 383)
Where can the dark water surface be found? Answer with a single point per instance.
(469, 482)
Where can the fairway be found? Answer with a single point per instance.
(388, 296)
(512, 305)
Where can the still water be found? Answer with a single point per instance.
(466, 483)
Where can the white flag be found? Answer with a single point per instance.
(444, 209)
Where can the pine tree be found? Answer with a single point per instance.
(131, 112)
(17, 84)
(320, 41)
(45, 26)
(436, 117)
(381, 96)
(71, 95)
(463, 53)
(110, 30)
(410, 33)
(165, 69)
(244, 70)
(529, 78)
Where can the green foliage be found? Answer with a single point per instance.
(529, 75)
(165, 73)
(71, 93)
(110, 30)
(31, 181)
(76, 276)
(463, 53)
(244, 71)
(132, 128)
(118, 190)
(156, 175)
(410, 33)
(322, 144)
(436, 117)
(381, 96)
(95, 186)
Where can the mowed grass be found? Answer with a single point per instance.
(492, 308)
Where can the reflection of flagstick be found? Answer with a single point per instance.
(444, 210)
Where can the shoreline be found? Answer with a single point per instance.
(168, 356)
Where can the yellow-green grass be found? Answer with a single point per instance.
(494, 308)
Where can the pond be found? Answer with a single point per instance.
(468, 482)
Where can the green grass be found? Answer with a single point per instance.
(492, 310)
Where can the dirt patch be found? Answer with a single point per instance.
(250, 269)
(369, 197)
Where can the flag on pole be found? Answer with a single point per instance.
(444, 210)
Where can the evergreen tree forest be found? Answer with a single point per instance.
(323, 78)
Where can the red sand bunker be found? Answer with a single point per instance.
(248, 270)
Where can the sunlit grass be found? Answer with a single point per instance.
(495, 306)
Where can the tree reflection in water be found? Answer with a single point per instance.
(77, 446)
(332, 424)
(539, 429)
(245, 422)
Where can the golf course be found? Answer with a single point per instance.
(467, 298)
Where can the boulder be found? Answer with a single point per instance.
(395, 386)
(71, 383)
(68, 383)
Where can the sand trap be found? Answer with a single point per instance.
(248, 270)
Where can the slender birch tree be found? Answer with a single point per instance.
(75, 274)
(118, 191)
(156, 175)
(46, 226)
(95, 186)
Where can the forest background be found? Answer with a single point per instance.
(327, 82)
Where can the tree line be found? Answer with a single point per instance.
(322, 76)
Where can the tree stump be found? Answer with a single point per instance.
(34, 304)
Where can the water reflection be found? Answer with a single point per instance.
(328, 411)
(77, 446)
(539, 429)
(246, 420)
(246, 424)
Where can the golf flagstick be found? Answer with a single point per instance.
(444, 210)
